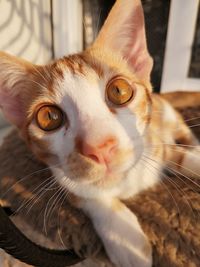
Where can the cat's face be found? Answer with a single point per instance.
(84, 115)
(91, 120)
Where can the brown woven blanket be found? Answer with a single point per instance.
(169, 212)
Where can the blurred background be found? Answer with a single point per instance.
(41, 30)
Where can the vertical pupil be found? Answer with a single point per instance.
(118, 90)
(49, 115)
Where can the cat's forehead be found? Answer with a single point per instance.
(92, 64)
(76, 80)
(86, 72)
(78, 65)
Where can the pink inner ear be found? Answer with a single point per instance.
(142, 63)
(124, 32)
(11, 107)
(136, 49)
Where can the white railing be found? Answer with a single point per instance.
(181, 30)
(68, 27)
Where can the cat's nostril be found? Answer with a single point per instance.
(93, 157)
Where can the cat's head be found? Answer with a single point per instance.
(86, 114)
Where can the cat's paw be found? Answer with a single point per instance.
(128, 250)
(124, 240)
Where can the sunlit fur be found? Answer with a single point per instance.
(145, 130)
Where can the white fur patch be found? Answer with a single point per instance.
(122, 236)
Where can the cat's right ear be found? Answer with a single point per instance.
(124, 33)
(14, 76)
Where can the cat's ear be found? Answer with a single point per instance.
(124, 32)
(14, 76)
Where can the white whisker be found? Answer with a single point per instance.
(162, 182)
(175, 184)
(25, 177)
(26, 202)
(40, 194)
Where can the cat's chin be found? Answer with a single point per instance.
(85, 178)
(103, 184)
(99, 176)
(108, 180)
(102, 177)
(83, 170)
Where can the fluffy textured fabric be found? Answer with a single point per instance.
(169, 212)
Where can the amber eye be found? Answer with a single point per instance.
(119, 92)
(49, 117)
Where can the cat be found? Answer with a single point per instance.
(92, 117)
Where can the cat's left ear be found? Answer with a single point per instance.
(15, 89)
(124, 32)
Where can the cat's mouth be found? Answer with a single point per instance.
(84, 170)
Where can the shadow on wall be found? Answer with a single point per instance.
(25, 29)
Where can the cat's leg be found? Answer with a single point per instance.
(123, 238)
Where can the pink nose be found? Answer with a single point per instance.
(102, 153)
